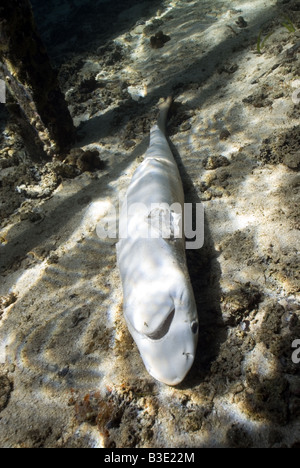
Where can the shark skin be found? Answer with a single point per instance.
(158, 300)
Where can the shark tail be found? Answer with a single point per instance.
(163, 114)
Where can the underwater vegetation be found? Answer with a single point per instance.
(288, 24)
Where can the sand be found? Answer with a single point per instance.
(70, 374)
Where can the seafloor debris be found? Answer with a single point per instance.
(241, 22)
(78, 161)
(284, 148)
(237, 304)
(84, 160)
(6, 388)
(137, 92)
(212, 162)
(158, 40)
(6, 301)
(224, 134)
(124, 416)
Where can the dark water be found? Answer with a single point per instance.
(72, 26)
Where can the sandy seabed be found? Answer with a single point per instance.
(70, 374)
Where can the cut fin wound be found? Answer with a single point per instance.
(163, 329)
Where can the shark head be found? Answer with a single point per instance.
(163, 322)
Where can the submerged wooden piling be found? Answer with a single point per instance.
(30, 77)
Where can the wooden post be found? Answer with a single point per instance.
(31, 78)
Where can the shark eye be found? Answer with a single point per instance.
(194, 327)
(164, 327)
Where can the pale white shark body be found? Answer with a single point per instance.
(159, 305)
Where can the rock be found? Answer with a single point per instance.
(224, 134)
(237, 304)
(213, 162)
(237, 436)
(292, 161)
(185, 126)
(6, 301)
(158, 40)
(5, 391)
(154, 25)
(34, 217)
(90, 161)
(241, 22)
(88, 86)
(129, 144)
(5, 163)
(82, 161)
(67, 171)
(139, 29)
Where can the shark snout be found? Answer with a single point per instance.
(169, 358)
(173, 372)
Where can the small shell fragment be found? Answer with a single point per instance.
(137, 92)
